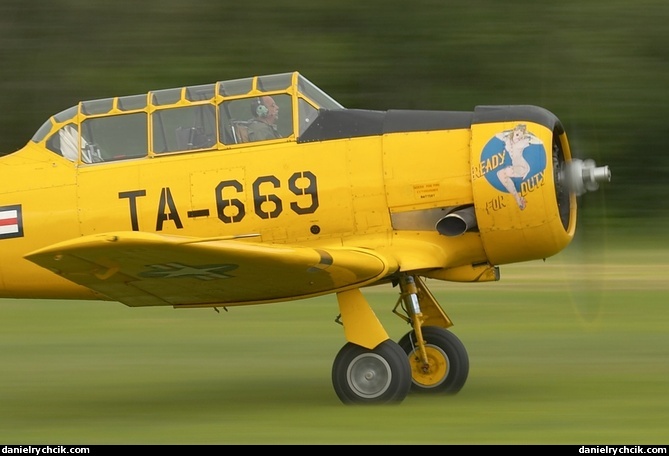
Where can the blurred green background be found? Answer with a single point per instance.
(575, 354)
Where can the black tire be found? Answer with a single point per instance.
(448, 360)
(378, 376)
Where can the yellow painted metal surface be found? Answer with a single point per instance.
(361, 326)
(528, 226)
(427, 169)
(146, 269)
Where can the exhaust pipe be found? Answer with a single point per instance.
(457, 222)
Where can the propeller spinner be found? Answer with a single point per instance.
(581, 176)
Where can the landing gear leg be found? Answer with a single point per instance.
(370, 368)
(438, 359)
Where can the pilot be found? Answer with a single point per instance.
(265, 116)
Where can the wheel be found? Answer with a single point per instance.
(447, 358)
(378, 376)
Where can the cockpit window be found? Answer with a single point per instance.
(184, 128)
(46, 127)
(114, 137)
(65, 142)
(307, 115)
(256, 118)
(322, 99)
(201, 117)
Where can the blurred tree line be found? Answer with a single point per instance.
(599, 65)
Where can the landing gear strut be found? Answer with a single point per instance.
(439, 361)
(372, 369)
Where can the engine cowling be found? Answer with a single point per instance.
(525, 182)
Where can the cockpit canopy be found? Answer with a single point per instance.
(203, 117)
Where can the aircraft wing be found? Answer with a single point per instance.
(147, 269)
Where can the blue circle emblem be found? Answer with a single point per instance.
(495, 156)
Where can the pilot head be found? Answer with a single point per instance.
(265, 108)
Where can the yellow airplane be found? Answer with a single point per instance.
(265, 189)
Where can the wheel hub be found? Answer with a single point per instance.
(369, 375)
(434, 372)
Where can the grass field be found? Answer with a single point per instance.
(561, 352)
